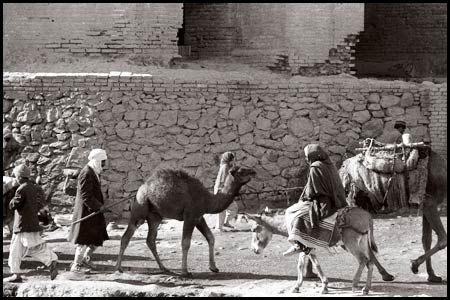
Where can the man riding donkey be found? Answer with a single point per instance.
(322, 196)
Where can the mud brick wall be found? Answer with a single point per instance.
(258, 33)
(90, 29)
(403, 40)
(145, 122)
(438, 118)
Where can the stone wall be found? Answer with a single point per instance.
(145, 122)
(38, 30)
(403, 40)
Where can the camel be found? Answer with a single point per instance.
(173, 194)
(436, 193)
(356, 233)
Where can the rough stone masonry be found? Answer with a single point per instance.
(145, 122)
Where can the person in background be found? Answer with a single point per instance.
(11, 149)
(89, 234)
(26, 239)
(223, 218)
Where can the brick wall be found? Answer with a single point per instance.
(403, 40)
(438, 118)
(145, 122)
(90, 29)
(257, 33)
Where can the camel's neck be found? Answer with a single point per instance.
(223, 199)
(219, 203)
(277, 227)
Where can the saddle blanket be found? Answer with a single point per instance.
(326, 235)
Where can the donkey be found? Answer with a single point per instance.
(356, 233)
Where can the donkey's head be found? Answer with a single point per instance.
(261, 233)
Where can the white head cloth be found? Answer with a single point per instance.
(95, 160)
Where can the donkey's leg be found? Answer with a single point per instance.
(188, 228)
(133, 224)
(153, 221)
(322, 276)
(204, 229)
(368, 285)
(431, 221)
(386, 276)
(300, 266)
(362, 263)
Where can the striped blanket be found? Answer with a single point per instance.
(325, 236)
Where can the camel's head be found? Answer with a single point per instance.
(261, 235)
(236, 178)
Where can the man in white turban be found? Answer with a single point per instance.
(90, 233)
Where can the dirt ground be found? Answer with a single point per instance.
(242, 272)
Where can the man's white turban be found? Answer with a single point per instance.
(97, 154)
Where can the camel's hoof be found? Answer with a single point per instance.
(214, 269)
(120, 270)
(324, 291)
(434, 278)
(295, 289)
(311, 275)
(388, 277)
(414, 267)
(365, 291)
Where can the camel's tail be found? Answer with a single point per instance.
(371, 238)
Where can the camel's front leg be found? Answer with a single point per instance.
(431, 221)
(125, 240)
(153, 221)
(204, 229)
(188, 228)
(300, 266)
(323, 278)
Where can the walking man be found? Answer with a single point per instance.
(26, 239)
(90, 233)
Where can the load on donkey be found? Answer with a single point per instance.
(389, 177)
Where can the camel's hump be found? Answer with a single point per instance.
(171, 173)
(169, 178)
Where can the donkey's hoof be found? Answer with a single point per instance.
(118, 269)
(414, 267)
(365, 291)
(434, 278)
(214, 269)
(324, 290)
(388, 277)
(295, 289)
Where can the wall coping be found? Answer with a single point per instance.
(19, 76)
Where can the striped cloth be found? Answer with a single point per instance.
(325, 236)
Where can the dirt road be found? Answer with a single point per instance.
(242, 273)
